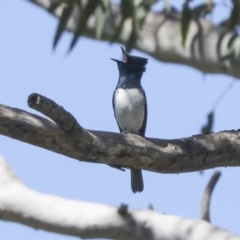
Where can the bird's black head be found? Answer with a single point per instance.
(131, 64)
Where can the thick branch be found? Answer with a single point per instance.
(166, 156)
(88, 220)
(160, 37)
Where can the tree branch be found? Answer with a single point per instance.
(89, 220)
(207, 195)
(195, 153)
(209, 48)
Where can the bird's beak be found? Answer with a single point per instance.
(125, 55)
(123, 51)
(115, 60)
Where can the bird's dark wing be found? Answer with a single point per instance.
(143, 129)
(114, 110)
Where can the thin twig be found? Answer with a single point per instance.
(207, 195)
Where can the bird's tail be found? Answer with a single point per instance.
(136, 180)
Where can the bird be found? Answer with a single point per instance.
(130, 104)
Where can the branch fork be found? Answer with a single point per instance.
(64, 135)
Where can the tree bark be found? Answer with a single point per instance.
(88, 220)
(209, 48)
(65, 136)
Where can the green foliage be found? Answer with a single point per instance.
(68, 6)
(167, 6)
(189, 14)
(54, 5)
(67, 10)
(88, 10)
(202, 10)
(233, 20)
(227, 53)
(139, 13)
(101, 15)
(185, 21)
(135, 11)
(126, 10)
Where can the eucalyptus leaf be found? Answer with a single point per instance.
(54, 5)
(79, 4)
(233, 20)
(185, 21)
(127, 9)
(89, 9)
(101, 15)
(66, 13)
(141, 8)
(167, 6)
(226, 53)
(202, 9)
(224, 23)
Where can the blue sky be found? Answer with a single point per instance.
(179, 98)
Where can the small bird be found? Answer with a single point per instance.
(130, 104)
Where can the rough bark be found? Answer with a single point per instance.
(65, 136)
(206, 48)
(88, 220)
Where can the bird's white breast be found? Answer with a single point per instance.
(129, 107)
